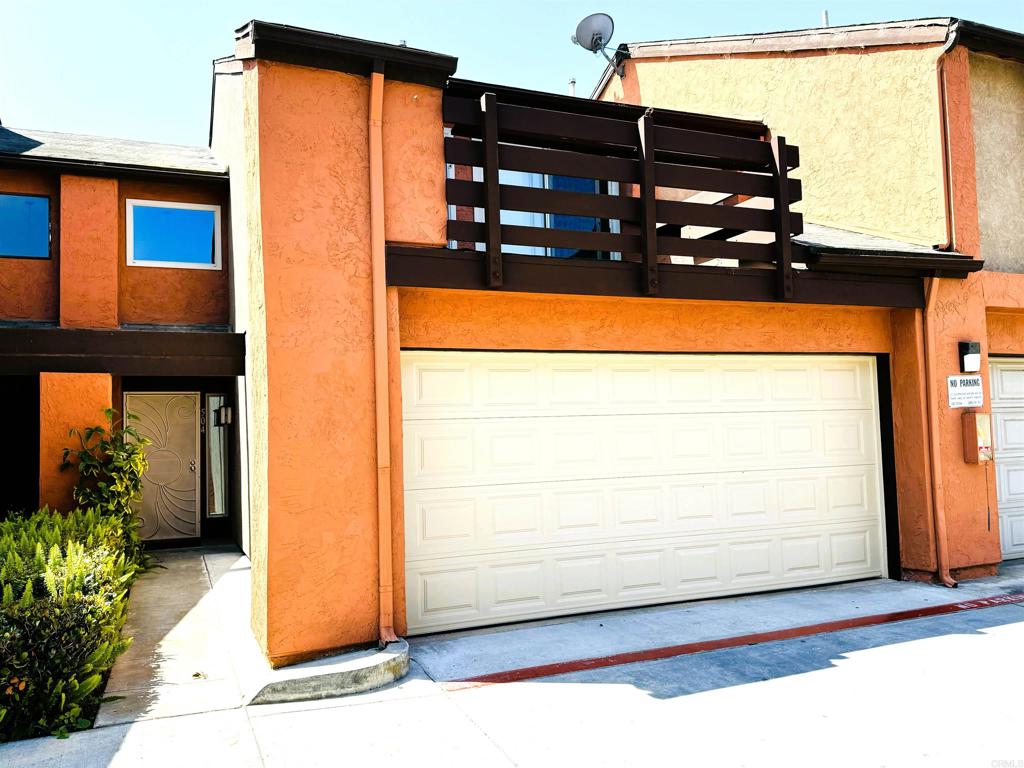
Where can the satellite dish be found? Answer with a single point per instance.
(594, 32)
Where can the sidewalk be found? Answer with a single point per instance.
(463, 655)
(616, 715)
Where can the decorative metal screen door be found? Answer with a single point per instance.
(170, 488)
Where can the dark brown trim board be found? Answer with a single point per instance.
(111, 170)
(310, 48)
(462, 269)
(122, 352)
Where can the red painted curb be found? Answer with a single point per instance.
(667, 652)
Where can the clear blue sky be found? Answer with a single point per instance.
(142, 70)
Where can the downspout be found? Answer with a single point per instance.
(380, 356)
(931, 293)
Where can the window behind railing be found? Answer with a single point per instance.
(551, 182)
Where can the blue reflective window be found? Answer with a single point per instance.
(173, 235)
(25, 226)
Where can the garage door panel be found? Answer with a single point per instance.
(473, 590)
(1009, 432)
(1010, 481)
(468, 452)
(1011, 529)
(507, 384)
(545, 484)
(1007, 383)
(441, 522)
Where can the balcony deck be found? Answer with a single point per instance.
(628, 201)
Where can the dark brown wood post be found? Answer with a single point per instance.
(648, 219)
(783, 243)
(492, 190)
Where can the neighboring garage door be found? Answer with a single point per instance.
(541, 484)
(1007, 387)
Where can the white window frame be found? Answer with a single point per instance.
(131, 203)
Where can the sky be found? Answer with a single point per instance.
(142, 70)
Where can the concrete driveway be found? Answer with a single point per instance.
(940, 690)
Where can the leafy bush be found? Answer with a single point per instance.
(110, 462)
(64, 583)
(63, 602)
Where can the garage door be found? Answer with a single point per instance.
(542, 484)
(1007, 385)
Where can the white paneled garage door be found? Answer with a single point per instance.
(1007, 384)
(541, 484)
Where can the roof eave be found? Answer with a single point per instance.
(982, 38)
(120, 170)
(323, 50)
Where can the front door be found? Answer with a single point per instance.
(170, 504)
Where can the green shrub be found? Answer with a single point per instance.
(63, 602)
(64, 583)
(110, 462)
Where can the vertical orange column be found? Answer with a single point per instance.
(66, 400)
(89, 225)
(968, 490)
(910, 436)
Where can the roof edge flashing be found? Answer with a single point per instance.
(324, 50)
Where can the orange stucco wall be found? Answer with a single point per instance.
(910, 442)
(66, 400)
(968, 491)
(320, 510)
(415, 209)
(28, 287)
(315, 526)
(88, 252)
(85, 283)
(162, 296)
(432, 318)
(966, 228)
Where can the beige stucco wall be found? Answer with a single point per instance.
(997, 103)
(867, 124)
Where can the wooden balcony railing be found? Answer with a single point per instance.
(662, 187)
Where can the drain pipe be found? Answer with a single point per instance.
(380, 356)
(938, 505)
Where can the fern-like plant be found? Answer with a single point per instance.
(110, 461)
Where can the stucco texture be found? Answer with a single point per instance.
(28, 287)
(867, 123)
(252, 312)
(969, 492)
(66, 400)
(1004, 303)
(166, 296)
(448, 319)
(997, 104)
(321, 522)
(88, 252)
(415, 207)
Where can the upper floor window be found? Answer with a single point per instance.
(178, 235)
(25, 226)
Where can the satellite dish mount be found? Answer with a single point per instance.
(594, 34)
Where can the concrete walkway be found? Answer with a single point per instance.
(879, 695)
(185, 655)
(468, 654)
